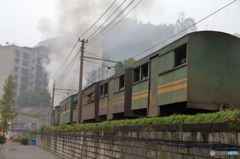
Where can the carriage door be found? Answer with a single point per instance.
(153, 106)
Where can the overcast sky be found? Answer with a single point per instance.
(20, 18)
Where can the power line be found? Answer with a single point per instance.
(226, 17)
(68, 55)
(110, 23)
(103, 60)
(115, 23)
(67, 69)
(98, 19)
(65, 89)
(64, 92)
(67, 72)
(175, 34)
(102, 73)
(86, 32)
(92, 54)
(106, 20)
(97, 63)
(185, 29)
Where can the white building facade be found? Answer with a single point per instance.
(26, 65)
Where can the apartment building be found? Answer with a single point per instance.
(26, 65)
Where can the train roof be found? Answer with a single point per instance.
(189, 34)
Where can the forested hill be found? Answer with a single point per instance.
(131, 37)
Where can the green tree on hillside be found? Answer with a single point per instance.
(7, 111)
(126, 63)
(183, 23)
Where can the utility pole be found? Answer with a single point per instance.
(79, 108)
(51, 108)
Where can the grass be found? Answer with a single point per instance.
(217, 117)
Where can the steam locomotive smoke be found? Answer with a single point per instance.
(73, 19)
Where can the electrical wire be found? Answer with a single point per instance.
(92, 54)
(182, 30)
(86, 32)
(185, 29)
(62, 78)
(63, 92)
(65, 89)
(226, 17)
(68, 55)
(67, 72)
(114, 24)
(98, 19)
(113, 20)
(106, 20)
(102, 74)
(97, 63)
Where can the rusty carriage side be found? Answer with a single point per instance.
(213, 71)
(90, 103)
(120, 91)
(74, 108)
(103, 99)
(66, 110)
(196, 73)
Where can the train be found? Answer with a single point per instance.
(199, 72)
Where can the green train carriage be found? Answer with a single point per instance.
(66, 110)
(198, 72)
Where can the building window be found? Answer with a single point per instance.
(181, 55)
(23, 87)
(38, 75)
(17, 52)
(16, 69)
(39, 60)
(39, 68)
(26, 55)
(24, 80)
(16, 61)
(15, 77)
(25, 63)
(121, 82)
(25, 72)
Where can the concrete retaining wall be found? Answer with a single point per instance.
(140, 142)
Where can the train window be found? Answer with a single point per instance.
(106, 89)
(181, 55)
(75, 103)
(136, 77)
(90, 98)
(144, 71)
(140, 73)
(121, 82)
(101, 90)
